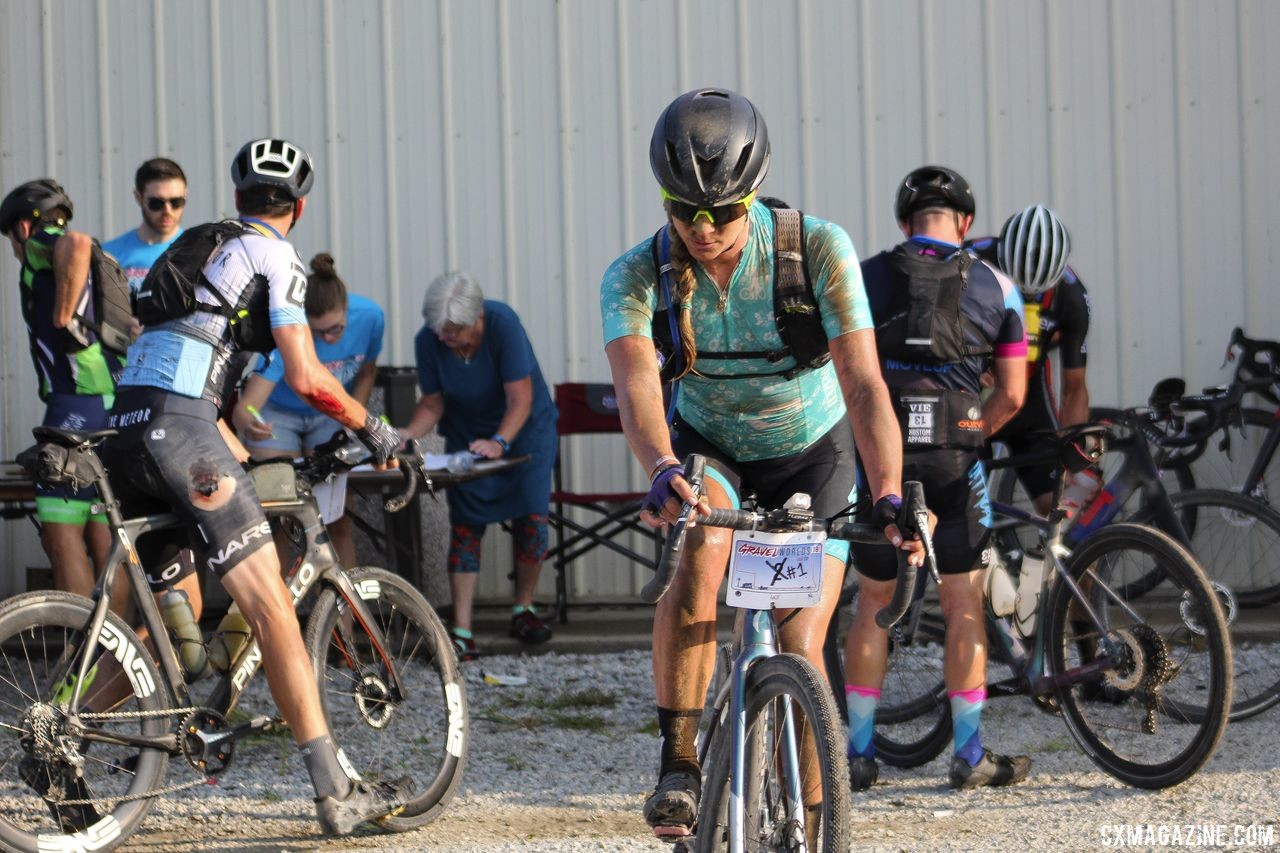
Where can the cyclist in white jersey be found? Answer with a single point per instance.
(180, 457)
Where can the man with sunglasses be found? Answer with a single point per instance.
(160, 189)
(767, 422)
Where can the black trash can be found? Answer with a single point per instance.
(399, 393)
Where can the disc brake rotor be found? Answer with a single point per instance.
(1128, 674)
(1194, 619)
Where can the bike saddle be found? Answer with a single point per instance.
(72, 437)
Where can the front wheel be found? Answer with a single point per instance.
(1155, 714)
(787, 802)
(423, 735)
(60, 791)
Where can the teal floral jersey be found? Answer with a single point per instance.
(758, 417)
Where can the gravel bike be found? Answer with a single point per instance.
(1234, 538)
(1143, 681)
(91, 715)
(1213, 440)
(773, 728)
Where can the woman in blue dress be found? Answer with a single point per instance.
(482, 387)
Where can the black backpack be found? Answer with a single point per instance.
(924, 323)
(795, 309)
(169, 290)
(112, 313)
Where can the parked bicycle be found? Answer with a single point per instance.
(1234, 538)
(1213, 439)
(773, 755)
(1142, 681)
(105, 712)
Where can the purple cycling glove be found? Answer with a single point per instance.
(660, 491)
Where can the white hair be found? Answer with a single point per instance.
(454, 297)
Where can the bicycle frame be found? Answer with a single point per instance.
(1029, 670)
(1138, 472)
(319, 563)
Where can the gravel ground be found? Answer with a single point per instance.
(565, 763)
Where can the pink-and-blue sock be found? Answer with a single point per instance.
(862, 703)
(966, 713)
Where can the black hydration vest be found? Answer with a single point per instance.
(795, 309)
(924, 325)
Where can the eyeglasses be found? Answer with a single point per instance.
(330, 332)
(157, 203)
(721, 214)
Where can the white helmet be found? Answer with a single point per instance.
(1034, 246)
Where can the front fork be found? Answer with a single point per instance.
(760, 640)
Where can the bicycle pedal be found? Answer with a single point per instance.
(675, 834)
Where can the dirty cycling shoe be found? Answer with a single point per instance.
(863, 772)
(55, 786)
(529, 629)
(673, 805)
(992, 769)
(367, 801)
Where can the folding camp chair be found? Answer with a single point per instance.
(585, 521)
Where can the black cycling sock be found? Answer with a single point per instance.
(320, 755)
(678, 732)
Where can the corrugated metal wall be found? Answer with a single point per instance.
(509, 137)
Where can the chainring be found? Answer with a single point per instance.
(209, 758)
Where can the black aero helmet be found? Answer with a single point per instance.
(709, 147)
(933, 186)
(33, 200)
(273, 163)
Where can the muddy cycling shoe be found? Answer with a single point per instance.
(994, 770)
(863, 772)
(368, 801)
(529, 629)
(56, 785)
(672, 808)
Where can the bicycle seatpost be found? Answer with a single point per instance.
(694, 468)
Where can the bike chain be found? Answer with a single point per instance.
(155, 792)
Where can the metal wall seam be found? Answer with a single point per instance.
(1056, 122)
(1181, 149)
(740, 30)
(105, 189)
(627, 189)
(991, 113)
(1118, 196)
(927, 85)
(808, 165)
(158, 42)
(507, 166)
(682, 45)
(215, 96)
(869, 195)
(273, 67)
(1248, 130)
(391, 130)
(47, 88)
(447, 135)
(331, 132)
(568, 247)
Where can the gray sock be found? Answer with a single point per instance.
(321, 758)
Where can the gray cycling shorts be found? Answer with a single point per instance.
(170, 457)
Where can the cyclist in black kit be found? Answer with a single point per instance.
(942, 319)
(179, 454)
(1032, 249)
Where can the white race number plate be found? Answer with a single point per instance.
(768, 570)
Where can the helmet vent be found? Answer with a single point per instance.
(741, 165)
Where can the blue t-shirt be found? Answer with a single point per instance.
(135, 256)
(359, 344)
(474, 403)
